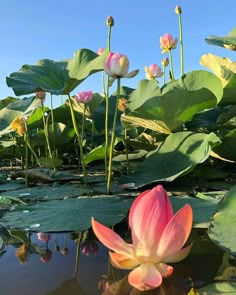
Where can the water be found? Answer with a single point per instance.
(51, 269)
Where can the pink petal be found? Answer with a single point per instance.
(110, 239)
(164, 269)
(176, 233)
(180, 255)
(149, 214)
(145, 277)
(123, 261)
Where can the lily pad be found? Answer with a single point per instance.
(68, 214)
(178, 154)
(222, 230)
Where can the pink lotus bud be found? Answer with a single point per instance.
(44, 237)
(110, 21)
(84, 96)
(167, 43)
(153, 72)
(100, 51)
(117, 65)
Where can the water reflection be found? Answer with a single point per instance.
(75, 263)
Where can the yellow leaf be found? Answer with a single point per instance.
(222, 67)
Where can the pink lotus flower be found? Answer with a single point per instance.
(153, 71)
(167, 43)
(158, 237)
(84, 96)
(117, 65)
(44, 237)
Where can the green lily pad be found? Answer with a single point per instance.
(60, 77)
(178, 154)
(68, 214)
(222, 230)
(219, 288)
(228, 41)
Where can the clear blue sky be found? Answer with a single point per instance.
(55, 29)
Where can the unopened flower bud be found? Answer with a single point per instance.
(165, 62)
(110, 21)
(178, 10)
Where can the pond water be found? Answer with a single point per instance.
(56, 267)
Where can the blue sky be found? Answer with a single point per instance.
(53, 29)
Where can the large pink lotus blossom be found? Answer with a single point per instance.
(117, 65)
(84, 96)
(167, 43)
(158, 237)
(153, 72)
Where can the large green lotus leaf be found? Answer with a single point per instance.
(18, 108)
(68, 214)
(4, 102)
(217, 288)
(179, 154)
(197, 80)
(56, 77)
(146, 89)
(227, 149)
(173, 108)
(205, 121)
(222, 230)
(228, 41)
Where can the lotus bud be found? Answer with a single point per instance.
(178, 10)
(110, 21)
(165, 62)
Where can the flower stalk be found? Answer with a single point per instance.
(78, 137)
(178, 11)
(113, 138)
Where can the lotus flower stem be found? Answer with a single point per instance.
(83, 120)
(78, 137)
(181, 44)
(126, 151)
(45, 127)
(164, 74)
(107, 106)
(77, 255)
(26, 159)
(171, 66)
(53, 126)
(113, 137)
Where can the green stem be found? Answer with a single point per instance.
(78, 137)
(164, 74)
(113, 138)
(107, 106)
(82, 131)
(126, 151)
(181, 46)
(45, 127)
(77, 256)
(33, 152)
(53, 125)
(171, 66)
(26, 159)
